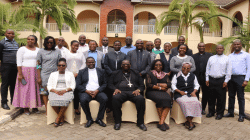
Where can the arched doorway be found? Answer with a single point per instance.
(144, 23)
(88, 21)
(116, 21)
(235, 28)
(217, 33)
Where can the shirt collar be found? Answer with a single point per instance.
(166, 53)
(239, 53)
(92, 52)
(157, 50)
(83, 45)
(7, 39)
(184, 75)
(105, 47)
(117, 52)
(92, 69)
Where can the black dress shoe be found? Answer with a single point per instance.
(117, 126)
(166, 125)
(203, 112)
(5, 106)
(142, 127)
(101, 123)
(191, 127)
(228, 115)
(209, 115)
(89, 123)
(241, 119)
(161, 127)
(218, 117)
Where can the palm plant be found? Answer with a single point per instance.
(183, 12)
(9, 20)
(59, 10)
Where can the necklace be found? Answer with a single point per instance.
(129, 83)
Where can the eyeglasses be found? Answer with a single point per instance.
(139, 43)
(50, 43)
(125, 64)
(61, 65)
(61, 40)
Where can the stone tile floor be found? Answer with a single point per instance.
(35, 127)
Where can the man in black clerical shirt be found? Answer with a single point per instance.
(181, 41)
(201, 59)
(127, 85)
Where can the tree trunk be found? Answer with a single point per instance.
(186, 35)
(41, 27)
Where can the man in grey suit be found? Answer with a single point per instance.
(105, 48)
(181, 40)
(140, 59)
(97, 55)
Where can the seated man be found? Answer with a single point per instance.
(90, 84)
(127, 84)
(185, 86)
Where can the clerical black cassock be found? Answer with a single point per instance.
(127, 83)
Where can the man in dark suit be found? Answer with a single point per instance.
(90, 84)
(140, 59)
(105, 48)
(112, 62)
(181, 40)
(201, 59)
(126, 84)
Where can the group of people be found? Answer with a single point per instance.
(114, 75)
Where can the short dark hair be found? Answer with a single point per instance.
(90, 57)
(34, 38)
(46, 41)
(93, 41)
(153, 64)
(117, 41)
(73, 41)
(61, 59)
(178, 47)
(157, 39)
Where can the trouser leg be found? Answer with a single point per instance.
(109, 94)
(212, 96)
(205, 95)
(12, 81)
(241, 100)
(140, 107)
(102, 99)
(84, 101)
(6, 69)
(231, 93)
(221, 100)
(117, 101)
(76, 99)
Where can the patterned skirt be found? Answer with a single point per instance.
(27, 96)
(190, 106)
(60, 100)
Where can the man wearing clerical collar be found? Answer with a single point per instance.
(127, 84)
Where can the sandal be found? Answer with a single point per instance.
(61, 122)
(187, 124)
(56, 124)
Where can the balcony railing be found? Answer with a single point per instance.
(90, 27)
(53, 27)
(235, 31)
(116, 28)
(207, 32)
(144, 29)
(171, 30)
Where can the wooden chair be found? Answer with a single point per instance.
(69, 114)
(94, 109)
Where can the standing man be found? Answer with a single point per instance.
(157, 48)
(181, 40)
(60, 43)
(200, 60)
(140, 59)
(218, 73)
(83, 46)
(149, 47)
(126, 84)
(105, 48)
(239, 80)
(90, 84)
(129, 46)
(8, 51)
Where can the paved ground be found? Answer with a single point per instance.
(34, 127)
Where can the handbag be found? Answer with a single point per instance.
(43, 91)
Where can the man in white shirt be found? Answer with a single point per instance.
(83, 46)
(60, 43)
(90, 84)
(105, 48)
(218, 73)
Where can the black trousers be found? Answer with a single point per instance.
(9, 74)
(76, 99)
(235, 86)
(205, 93)
(120, 98)
(86, 98)
(109, 94)
(217, 93)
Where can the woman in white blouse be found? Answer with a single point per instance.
(26, 93)
(75, 62)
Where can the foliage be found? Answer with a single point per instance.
(183, 12)
(10, 20)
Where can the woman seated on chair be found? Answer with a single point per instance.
(158, 90)
(61, 85)
(185, 85)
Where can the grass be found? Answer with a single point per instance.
(247, 88)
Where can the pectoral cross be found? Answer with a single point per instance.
(186, 84)
(129, 84)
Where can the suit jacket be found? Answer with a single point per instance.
(100, 58)
(110, 61)
(146, 60)
(175, 52)
(109, 49)
(197, 72)
(82, 79)
(136, 80)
